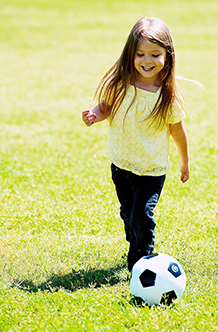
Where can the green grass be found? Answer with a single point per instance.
(62, 248)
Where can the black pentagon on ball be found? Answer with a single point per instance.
(174, 269)
(147, 278)
(168, 298)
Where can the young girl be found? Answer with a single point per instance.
(143, 105)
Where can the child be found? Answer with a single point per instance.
(139, 97)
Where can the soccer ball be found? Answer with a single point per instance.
(158, 279)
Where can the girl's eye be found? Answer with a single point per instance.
(140, 55)
(156, 55)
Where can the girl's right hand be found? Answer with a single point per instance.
(88, 117)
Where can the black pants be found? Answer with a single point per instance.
(138, 196)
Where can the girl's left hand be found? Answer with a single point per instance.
(185, 173)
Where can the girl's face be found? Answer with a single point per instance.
(149, 61)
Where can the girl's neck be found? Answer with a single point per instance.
(148, 86)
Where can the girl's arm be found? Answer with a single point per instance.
(95, 115)
(180, 138)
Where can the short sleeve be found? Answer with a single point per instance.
(177, 114)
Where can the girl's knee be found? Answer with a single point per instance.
(150, 205)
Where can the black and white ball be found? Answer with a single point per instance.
(158, 279)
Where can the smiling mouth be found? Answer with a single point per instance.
(147, 69)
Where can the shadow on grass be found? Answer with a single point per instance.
(81, 279)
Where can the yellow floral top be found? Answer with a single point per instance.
(138, 146)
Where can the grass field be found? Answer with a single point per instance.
(62, 247)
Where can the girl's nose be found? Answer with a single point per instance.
(147, 58)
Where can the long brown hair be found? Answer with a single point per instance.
(113, 86)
